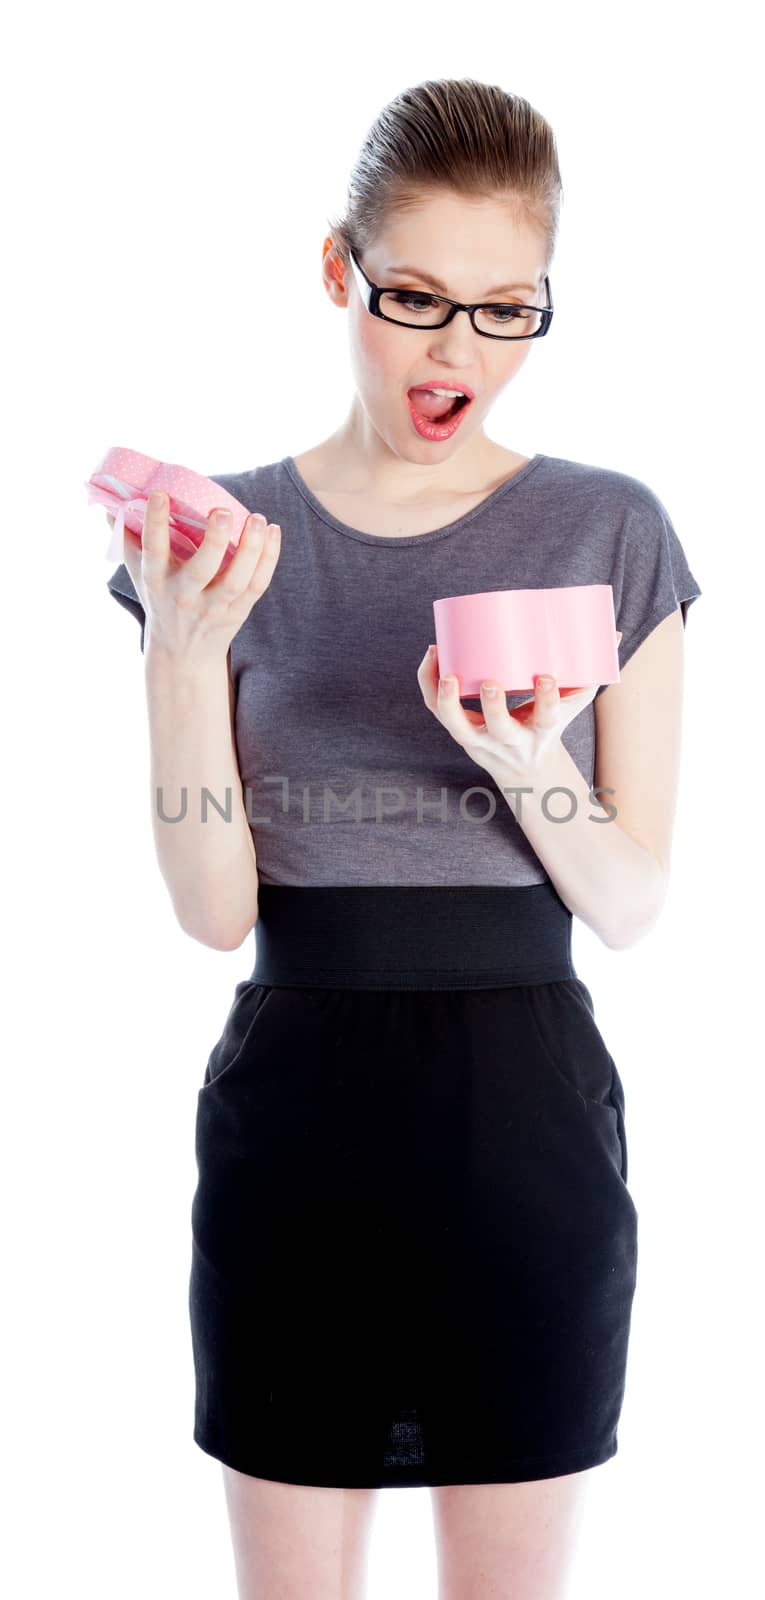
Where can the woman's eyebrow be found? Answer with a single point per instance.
(435, 283)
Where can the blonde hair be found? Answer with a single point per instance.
(453, 135)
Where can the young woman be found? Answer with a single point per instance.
(414, 1247)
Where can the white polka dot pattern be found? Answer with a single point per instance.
(123, 481)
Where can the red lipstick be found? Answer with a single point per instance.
(435, 431)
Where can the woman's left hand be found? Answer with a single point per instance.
(515, 742)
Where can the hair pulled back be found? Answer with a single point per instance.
(452, 135)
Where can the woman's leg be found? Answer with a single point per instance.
(294, 1541)
(499, 1539)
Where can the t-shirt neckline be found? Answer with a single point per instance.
(405, 540)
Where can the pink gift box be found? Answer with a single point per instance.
(123, 481)
(509, 635)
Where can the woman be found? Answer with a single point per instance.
(414, 1248)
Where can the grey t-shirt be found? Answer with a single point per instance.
(347, 777)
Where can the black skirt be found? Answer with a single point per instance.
(414, 1251)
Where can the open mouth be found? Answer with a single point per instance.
(459, 401)
(442, 425)
(457, 404)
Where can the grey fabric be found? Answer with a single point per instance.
(348, 779)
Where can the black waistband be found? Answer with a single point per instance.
(402, 937)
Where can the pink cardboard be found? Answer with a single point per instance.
(123, 481)
(510, 635)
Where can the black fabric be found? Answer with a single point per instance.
(435, 937)
(414, 1251)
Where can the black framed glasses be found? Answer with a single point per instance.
(413, 308)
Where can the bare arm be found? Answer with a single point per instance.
(615, 874)
(611, 870)
(207, 856)
(202, 838)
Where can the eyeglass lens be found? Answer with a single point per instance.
(427, 311)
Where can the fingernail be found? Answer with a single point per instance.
(157, 499)
(489, 688)
(544, 683)
(445, 684)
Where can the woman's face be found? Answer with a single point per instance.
(472, 248)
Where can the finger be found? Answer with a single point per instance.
(246, 557)
(546, 691)
(464, 725)
(201, 568)
(250, 569)
(494, 707)
(546, 700)
(155, 536)
(427, 677)
(266, 540)
(450, 710)
(262, 546)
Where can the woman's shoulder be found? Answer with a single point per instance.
(589, 474)
(612, 486)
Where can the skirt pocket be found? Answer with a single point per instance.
(564, 1019)
(249, 1000)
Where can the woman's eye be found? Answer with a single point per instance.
(416, 302)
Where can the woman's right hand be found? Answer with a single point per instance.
(193, 610)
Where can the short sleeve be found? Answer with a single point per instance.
(120, 584)
(651, 575)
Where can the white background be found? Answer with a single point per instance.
(168, 175)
